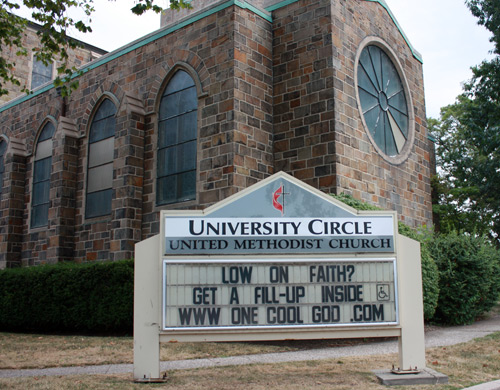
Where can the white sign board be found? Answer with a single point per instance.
(267, 294)
(195, 235)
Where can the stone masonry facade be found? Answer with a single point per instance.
(276, 91)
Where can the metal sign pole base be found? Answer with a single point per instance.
(399, 371)
(163, 379)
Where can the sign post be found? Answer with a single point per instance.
(279, 260)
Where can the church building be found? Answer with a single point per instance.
(219, 98)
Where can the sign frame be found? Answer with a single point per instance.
(295, 261)
(151, 256)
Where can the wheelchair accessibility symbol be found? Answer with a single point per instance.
(383, 292)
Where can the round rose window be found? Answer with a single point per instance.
(383, 101)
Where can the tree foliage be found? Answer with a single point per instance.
(469, 277)
(468, 143)
(54, 16)
(488, 14)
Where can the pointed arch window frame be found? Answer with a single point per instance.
(176, 152)
(100, 157)
(42, 170)
(3, 151)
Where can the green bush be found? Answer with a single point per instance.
(91, 297)
(355, 203)
(430, 274)
(469, 274)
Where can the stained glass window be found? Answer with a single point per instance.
(383, 100)
(177, 135)
(41, 177)
(100, 161)
(3, 149)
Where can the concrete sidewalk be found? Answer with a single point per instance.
(433, 338)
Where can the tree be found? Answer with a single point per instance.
(488, 14)
(468, 143)
(54, 17)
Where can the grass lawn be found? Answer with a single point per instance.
(466, 364)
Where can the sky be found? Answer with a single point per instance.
(444, 32)
(450, 42)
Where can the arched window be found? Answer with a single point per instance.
(3, 148)
(100, 161)
(41, 177)
(177, 135)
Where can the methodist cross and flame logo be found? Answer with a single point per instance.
(280, 193)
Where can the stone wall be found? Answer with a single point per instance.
(304, 128)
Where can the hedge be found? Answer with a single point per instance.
(90, 297)
(469, 274)
(430, 272)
